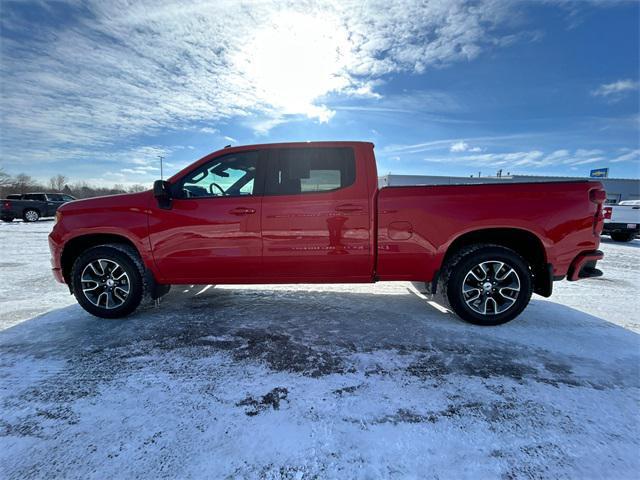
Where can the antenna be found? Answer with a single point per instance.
(161, 157)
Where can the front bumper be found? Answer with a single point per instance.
(56, 252)
(584, 266)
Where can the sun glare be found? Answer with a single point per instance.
(294, 59)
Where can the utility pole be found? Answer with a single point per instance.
(161, 157)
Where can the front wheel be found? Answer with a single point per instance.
(623, 236)
(487, 284)
(108, 280)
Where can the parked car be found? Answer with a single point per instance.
(622, 221)
(32, 206)
(313, 213)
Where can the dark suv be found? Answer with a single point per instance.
(32, 206)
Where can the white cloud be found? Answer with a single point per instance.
(629, 155)
(463, 147)
(616, 90)
(459, 147)
(113, 70)
(529, 158)
(230, 139)
(435, 145)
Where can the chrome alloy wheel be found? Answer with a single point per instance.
(491, 288)
(105, 283)
(31, 215)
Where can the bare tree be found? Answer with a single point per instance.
(58, 182)
(5, 183)
(5, 178)
(137, 188)
(23, 182)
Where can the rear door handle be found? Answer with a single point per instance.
(242, 211)
(349, 208)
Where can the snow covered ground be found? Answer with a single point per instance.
(324, 381)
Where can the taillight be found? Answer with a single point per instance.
(597, 195)
(7, 204)
(607, 211)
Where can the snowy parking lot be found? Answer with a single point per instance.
(316, 381)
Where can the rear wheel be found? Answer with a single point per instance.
(108, 280)
(6, 219)
(487, 284)
(31, 215)
(622, 236)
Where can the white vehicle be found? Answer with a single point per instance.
(622, 221)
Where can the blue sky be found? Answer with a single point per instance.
(96, 90)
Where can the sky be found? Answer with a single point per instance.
(97, 90)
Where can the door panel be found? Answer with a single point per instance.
(208, 240)
(307, 238)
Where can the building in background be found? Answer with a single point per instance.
(618, 189)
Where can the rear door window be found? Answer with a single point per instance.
(294, 171)
(35, 196)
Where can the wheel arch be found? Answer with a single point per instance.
(74, 247)
(524, 242)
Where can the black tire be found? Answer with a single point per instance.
(6, 219)
(128, 260)
(457, 274)
(622, 236)
(31, 215)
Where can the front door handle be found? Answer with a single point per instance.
(242, 211)
(349, 208)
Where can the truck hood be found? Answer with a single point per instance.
(133, 200)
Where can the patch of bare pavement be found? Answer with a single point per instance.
(325, 382)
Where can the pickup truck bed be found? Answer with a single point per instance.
(313, 212)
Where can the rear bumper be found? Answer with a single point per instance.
(584, 266)
(621, 227)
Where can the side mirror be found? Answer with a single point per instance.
(162, 192)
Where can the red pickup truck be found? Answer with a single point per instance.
(313, 213)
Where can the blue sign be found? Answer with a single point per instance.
(600, 173)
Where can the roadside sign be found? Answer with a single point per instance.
(600, 173)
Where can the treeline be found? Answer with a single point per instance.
(23, 183)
